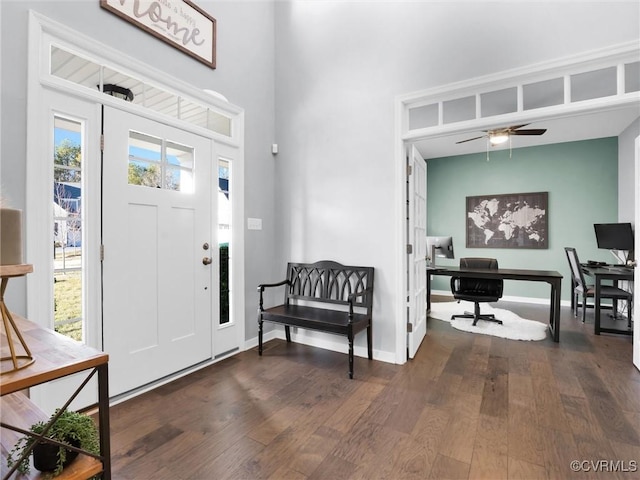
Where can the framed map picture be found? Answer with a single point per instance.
(514, 220)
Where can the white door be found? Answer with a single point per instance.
(636, 275)
(160, 252)
(417, 264)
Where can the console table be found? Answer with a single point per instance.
(55, 356)
(10, 327)
(553, 278)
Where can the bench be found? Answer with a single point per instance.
(312, 287)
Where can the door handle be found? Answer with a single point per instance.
(207, 261)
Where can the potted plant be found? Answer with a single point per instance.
(71, 428)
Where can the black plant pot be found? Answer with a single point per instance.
(45, 456)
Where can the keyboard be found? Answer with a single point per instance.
(593, 263)
(618, 268)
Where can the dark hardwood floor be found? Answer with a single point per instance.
(468, 406)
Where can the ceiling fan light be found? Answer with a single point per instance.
(498, 138)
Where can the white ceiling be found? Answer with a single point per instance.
(609, 123)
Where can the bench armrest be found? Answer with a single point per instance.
(353, 296)
(262, 286)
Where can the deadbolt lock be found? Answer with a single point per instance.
(205, 246)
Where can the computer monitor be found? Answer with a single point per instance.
(439, 247)
(614, 236)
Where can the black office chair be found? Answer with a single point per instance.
(585, 290)
(477, 290)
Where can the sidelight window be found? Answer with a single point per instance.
(67, 227)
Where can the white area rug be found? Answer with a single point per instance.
(513, 327)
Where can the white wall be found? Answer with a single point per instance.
(626, 173)
(339, 66)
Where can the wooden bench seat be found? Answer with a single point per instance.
(324, 296)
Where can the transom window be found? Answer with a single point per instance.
(76, 69)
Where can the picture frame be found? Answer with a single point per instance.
(513, 220)
(180, 23)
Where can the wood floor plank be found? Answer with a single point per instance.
(447, 468)
(605, 408)
(409, 405)
(459, 437)
(312, 453)
(412, 463)
(224, 466)
(560, 450)
(275, 424)
(343, 419)
(549, 410)
(525, 439)
(334, 467)
(490, 451)
(590, 440)
(473, 377)
(492, 435)
(444, 390)
(489, 466)
(495, 395)
(521, 470)
(521, 390)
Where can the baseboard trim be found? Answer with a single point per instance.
(320, 340)
(508, 298)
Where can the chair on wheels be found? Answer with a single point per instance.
(477, 290)
(581, 288)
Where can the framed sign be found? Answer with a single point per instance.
(514, 220)
(180, 23)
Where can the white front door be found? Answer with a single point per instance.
(417, 264)
(160, 250)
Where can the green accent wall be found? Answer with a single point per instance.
(580, 177)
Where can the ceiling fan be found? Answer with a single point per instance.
(501, 135)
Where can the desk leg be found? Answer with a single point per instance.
(596, 307)
(554, 310)
(428, 293)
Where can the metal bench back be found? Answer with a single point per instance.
(329, 282)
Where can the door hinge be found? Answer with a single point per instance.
(102, 253)
(102, 142)
(409, 170)
(409, 249)
(409, 327)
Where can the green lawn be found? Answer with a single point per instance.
(67, 294)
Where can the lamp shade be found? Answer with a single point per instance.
(10, 236)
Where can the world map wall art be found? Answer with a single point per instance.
(514, 220)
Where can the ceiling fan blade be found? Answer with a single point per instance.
(530, 131)
(515, 127)
(469, 139)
